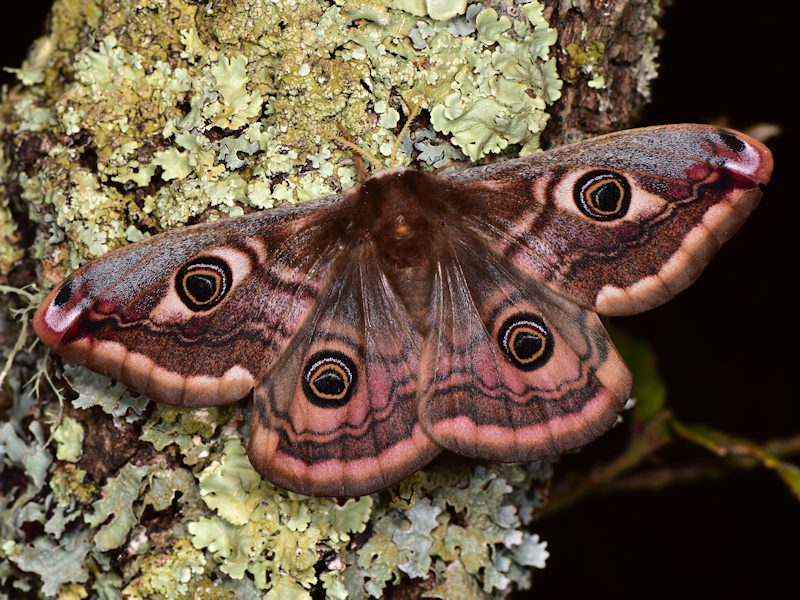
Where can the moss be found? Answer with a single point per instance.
(583, 59)
(157, 114)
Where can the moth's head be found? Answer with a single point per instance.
(401, 203)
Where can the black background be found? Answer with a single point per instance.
(727, 347)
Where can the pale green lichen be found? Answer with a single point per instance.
(646, 69)
(28, 454)
(444, 10)
(56, 564)
(69, 440)
(261, 530)
(10, 252)
(97, 390)
(68, 485)
(172, 575)
(119, 495)
(206, 126)
(190, 114)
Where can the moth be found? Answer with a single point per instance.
(417, 312)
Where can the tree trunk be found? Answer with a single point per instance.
(132, 118)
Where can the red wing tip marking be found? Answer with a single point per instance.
(758, 166)
(339, 478)
(533, 442)
(43, 324)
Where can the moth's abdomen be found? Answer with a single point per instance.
(414, 287)
(408, 223)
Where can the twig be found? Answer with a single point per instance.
(615, 477)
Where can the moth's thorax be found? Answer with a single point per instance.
(402, 216)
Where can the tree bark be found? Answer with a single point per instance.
(629, 32)
(605, 54)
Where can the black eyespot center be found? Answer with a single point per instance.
(527, 344)
(329, 379)
(603, 195)
(606, 197)
(331, 383)
(526, 341)
(203, 282)
(201, 286)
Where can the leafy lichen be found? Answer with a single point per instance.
(69, 439)
(10, 253)
(177, 573)
(152, 139)
(584, 59)
(185, 113)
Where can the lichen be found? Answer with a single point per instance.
(69, 439)
(154, 135)
(186, 113)
(10, 252)
(68, 484)
(97, 390)
(179, 572)
(646, 70)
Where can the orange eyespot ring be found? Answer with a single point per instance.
(329, 379)
(603, 195)
(202, 283)
(526, 341)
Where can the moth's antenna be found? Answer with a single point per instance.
(438, 170)
(346, 141)
(413, 112)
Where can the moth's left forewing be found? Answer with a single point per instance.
(193, 316)
(623, 222)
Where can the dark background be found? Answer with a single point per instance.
(727, 347)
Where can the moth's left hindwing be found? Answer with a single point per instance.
(416, 312)
(337, 414)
